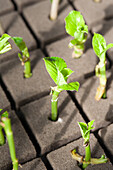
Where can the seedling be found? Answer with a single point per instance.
(54, 9)
(75, 26)
(24, 57)
(59, 72)
(85, 131)
(6, 125)
(100, 48)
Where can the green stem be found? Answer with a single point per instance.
(2, 139)
(27, 69)
(10, 139)
(87, 156)
(54, 102)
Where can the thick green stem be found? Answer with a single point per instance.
(10, 139)
(87, 156)
(2, 139)
(27, 69)
(54, 102)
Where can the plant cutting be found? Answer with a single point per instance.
(75, 26)
(100, 48)
(24, 57)
(54, 9)
(6, 125)
(59, 72)
(84, 162)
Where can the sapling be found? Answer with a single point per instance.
(75, 26)
(59, 72)
(54, 9)
(24, 58)
(100, 48)
(6, 125)
(85, 131)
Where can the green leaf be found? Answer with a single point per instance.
(60, 79)
(59, 63)
(66, 73)
(99, 44)
(71, 86)
(85, 130)
(54, 66)
(51, 68)
(75, 22)
(108, 47)
(21, 45)
(90, 124)
(5, 114)
(4, 44)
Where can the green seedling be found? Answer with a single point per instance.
(24, 57)
(100, 48)
(6, 125)
(54, 9)
(85, 131)
(59, 72)
(75, 26)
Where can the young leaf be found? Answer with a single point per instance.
(51, 68)
(71, 86)
(66, 73)
(75, 22)
(60, 78)
(21, 45)
(99, 44)
(108, 46)
(90, 124)
(83, 128)
(59, 63)
(4, 44)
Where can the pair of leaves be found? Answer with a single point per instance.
(59, 72)
(85, 130)
(75, 25)
(99, 45)
(4, 44)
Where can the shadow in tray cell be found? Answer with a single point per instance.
(62, 106)
(108, 12)
(12, 22)
(87, 91)
(109, 115)
(59, 135)
(34, 61)
(62, 8)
